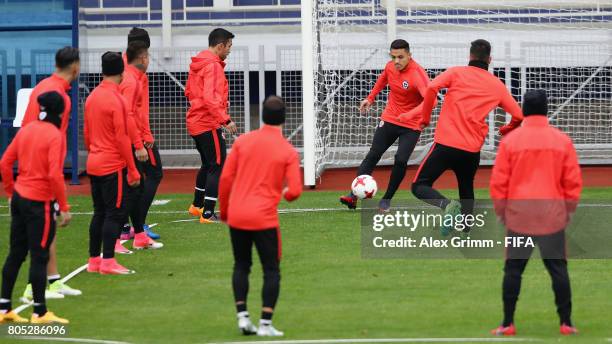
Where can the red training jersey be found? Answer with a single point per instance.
(536, 179)
(37, 147)
(472, 94)
(207, 91)
(131, 89)
(105, 132)
(143, 106)
(252, 179)
(61, 86)
(407, 90)
(52, 83)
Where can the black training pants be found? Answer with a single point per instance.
(32, 230)
(385, 135)
(139, 199)
(110, 212)
(267, 243)
(153, 172)
(212, 149)
(439, 159)
(552, 250)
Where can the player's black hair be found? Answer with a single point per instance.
(273, 112)
(400, 44)
(219, 36)
(480, 50)
(135, 49)
(138, 34)
(66, 56)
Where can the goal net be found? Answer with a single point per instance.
(564, 47)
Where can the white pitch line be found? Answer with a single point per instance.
(187, 220)
(63, 280)
(74, 273)
(22, 307)
(75, 340)
(389, 340)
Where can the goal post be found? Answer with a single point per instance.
(308, 92)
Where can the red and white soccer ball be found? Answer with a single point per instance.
(364, 186)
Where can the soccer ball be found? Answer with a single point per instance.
(364, 186)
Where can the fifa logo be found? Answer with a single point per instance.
(405, 84)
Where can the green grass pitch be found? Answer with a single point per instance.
(182, 293)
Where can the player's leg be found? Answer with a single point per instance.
(552, 248)
(408, 139)
(433, 165)
(154, 174)
(269, 251)
(96, 224)
(465, 166)
(40, 225)
(514, 266)
(438, 160)
(215, 152)
(384, 137)
(56, 286)
(18, 250)
(133, 197)
(198, 197)
(134, 207)
(242, 249)
(114, 189)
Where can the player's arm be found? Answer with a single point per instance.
(500, 179)
(130, 94)
(571, 178)
(421, 83)
(294, 178)
(228, 173)
(6, 166)
(443, 80)
(56, 178)
(32, 110)
(510, 106)
(124, 145)
(380, 85)
(66, 115)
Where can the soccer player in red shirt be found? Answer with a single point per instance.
(32, 199)
(401, 118)
(472, 93)
(207, 91)
(110, 165)
(251, 186)
(131, 88)
(67, 68)
(535, 186)
(152, 167)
